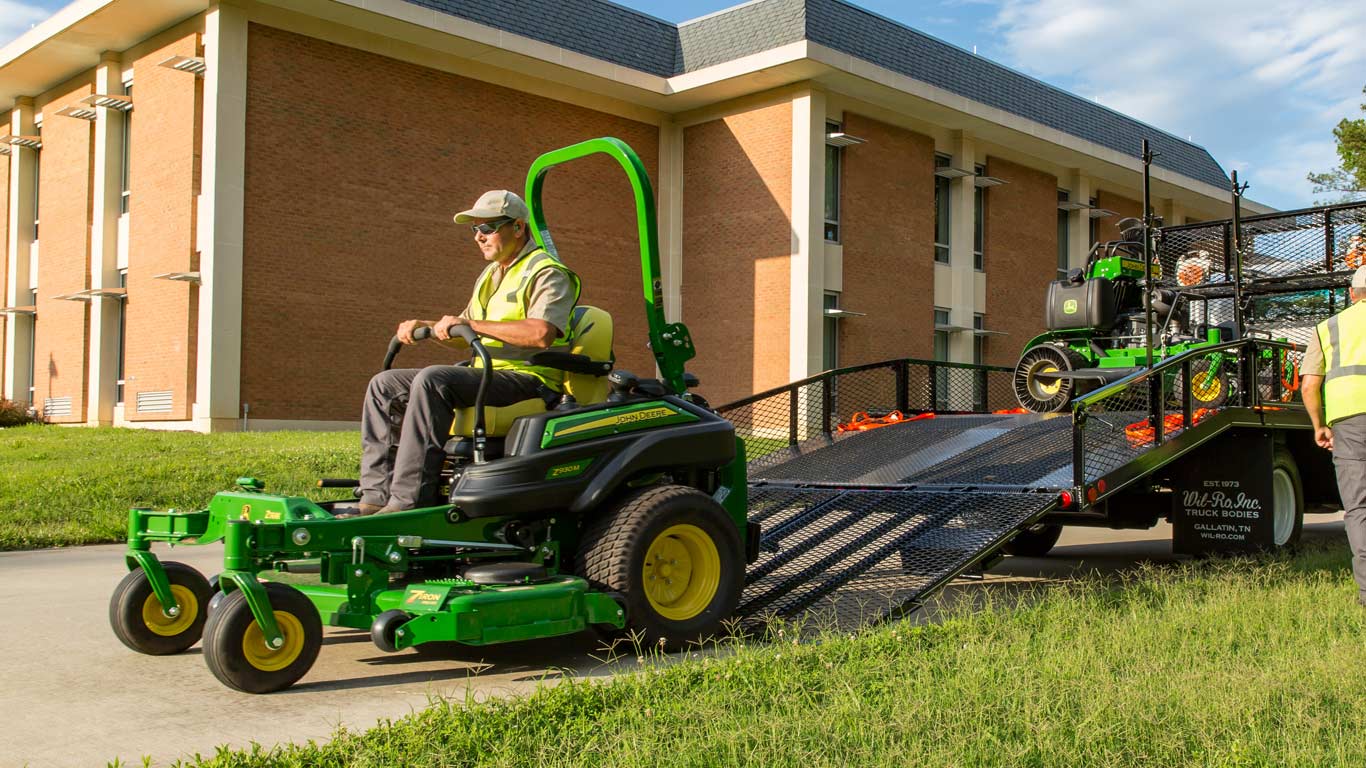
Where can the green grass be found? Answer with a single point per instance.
(64, 486)
(1220, 663)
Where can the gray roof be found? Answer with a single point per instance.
(632, 39)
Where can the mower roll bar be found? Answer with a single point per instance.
(467, 333)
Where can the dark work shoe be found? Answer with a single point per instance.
(360, 509)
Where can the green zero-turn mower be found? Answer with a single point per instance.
(1097, 331)
(620, 507)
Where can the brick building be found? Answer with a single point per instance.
(223, 209)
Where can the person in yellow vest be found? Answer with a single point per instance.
(1333, 374)
(520, 305)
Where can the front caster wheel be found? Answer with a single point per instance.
(236, 650)
(384, 629)
(139, 621)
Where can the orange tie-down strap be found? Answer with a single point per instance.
(1141, 433)
(862, 421)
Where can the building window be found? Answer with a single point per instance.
(941, 353)
(979, 347)
(830, 340)
(32, 343)
(37, 169)
(1095, 223)
(941, 212)
(123, 328)
(1063, 245)
(834, 160)
(127, 142)
(979, 217)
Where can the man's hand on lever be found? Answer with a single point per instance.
(406, 328)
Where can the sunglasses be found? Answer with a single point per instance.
(489, 227)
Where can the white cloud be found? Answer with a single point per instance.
(1255, 79)
(16, 17)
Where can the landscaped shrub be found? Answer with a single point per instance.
(14, 414)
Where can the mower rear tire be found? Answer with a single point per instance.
(236, 651)
(674, 556)
(1034, 541)
(139, 622)
(1037, 396)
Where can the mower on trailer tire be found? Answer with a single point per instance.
(621, 507)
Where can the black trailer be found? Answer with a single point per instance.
(869, 522)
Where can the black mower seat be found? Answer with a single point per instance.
(590, 332)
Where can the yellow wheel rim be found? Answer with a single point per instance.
(159, 623)
(1047, 389)
(682, 572)
(1206, 387)
(267, 659)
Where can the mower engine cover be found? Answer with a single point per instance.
(1089, 304)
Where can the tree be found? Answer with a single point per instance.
(1348, 180)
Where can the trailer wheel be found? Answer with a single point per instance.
(236, 651)
(139, 622)
(1287, 501)
(1037, 396)
(674, 556)
(1034, 541)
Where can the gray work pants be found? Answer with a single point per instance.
(1349, 459)
(411, 410)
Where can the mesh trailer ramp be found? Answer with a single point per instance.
(866, 525)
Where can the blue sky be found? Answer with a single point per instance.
(1259, 83)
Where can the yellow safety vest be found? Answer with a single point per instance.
(508, 301)
(1343, 338)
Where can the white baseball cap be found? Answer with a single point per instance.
(494, 204)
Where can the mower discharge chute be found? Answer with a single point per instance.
(621, 507)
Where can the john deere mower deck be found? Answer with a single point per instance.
(621, 507)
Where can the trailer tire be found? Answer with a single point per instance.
(236, 652)
(674, 534)
(1034, 541)
(138, 622)
(1287, 501)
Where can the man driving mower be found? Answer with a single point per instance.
(521, 304)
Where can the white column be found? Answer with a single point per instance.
(18, 329)
(1171, 211)
(808, 234)
(671, 217)
(962, 274)
(218, 373)
(1080, 190)
(104, 237)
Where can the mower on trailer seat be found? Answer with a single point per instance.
(620, 507)
(1097, 327)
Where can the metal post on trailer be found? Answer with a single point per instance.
(903, 386)
(1329, 249)
(1154, 393)
(827, 404)
(1245, 370)
(933, 405)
